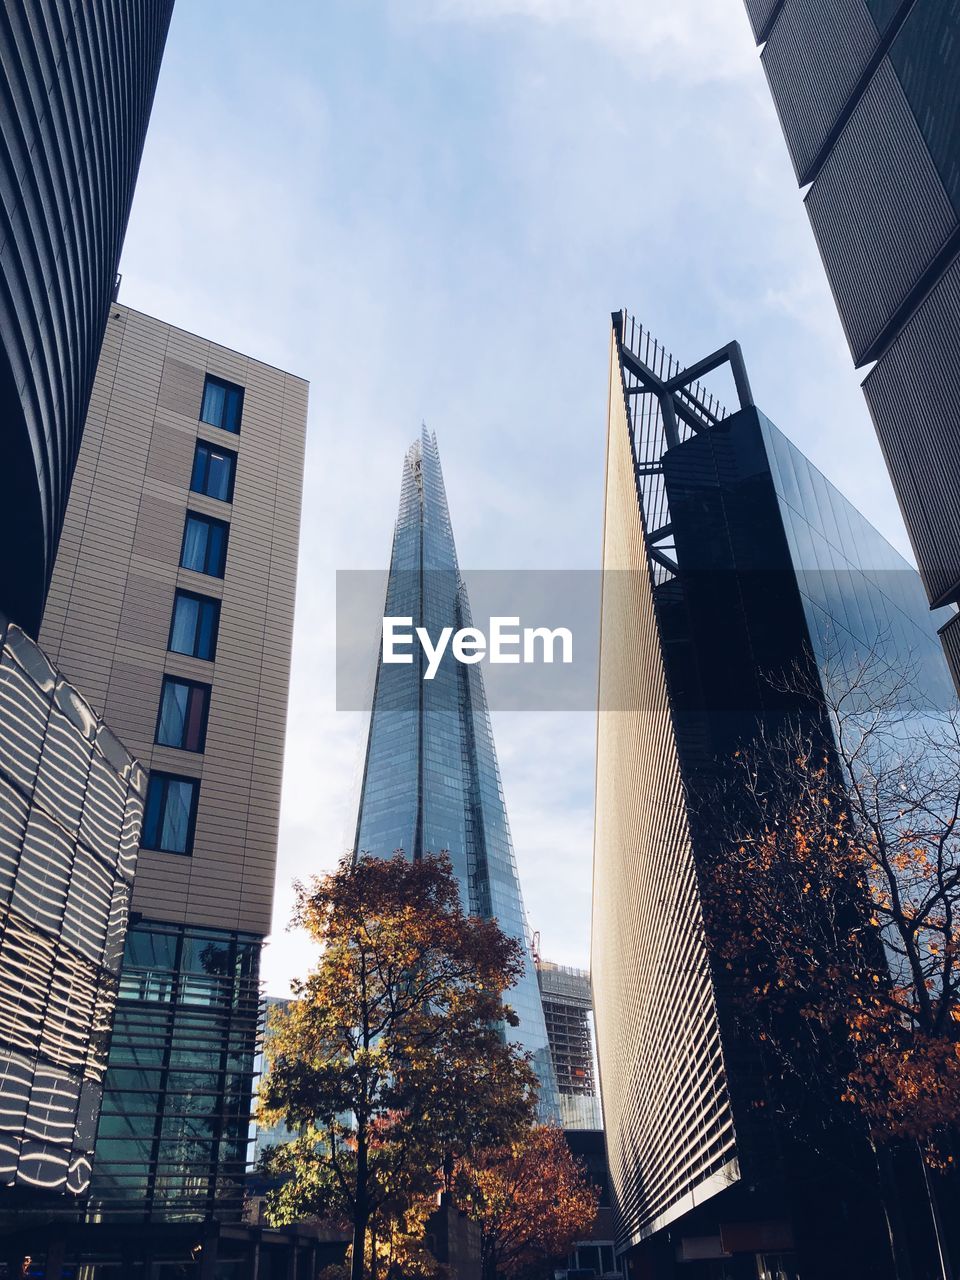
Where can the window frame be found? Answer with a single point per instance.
(207, 689)
(166, 777)
(179, 594)
(209, 446)
(210, 521)
(212, 379)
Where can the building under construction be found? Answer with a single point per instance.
(568, 1012)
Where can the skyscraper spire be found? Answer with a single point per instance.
(431, 779)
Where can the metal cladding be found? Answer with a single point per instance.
(76, 88)
(71, 803)
(860, 90)
(666, 1105)
(431, 780)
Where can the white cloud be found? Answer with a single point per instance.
(688, 40)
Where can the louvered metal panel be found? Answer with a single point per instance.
(816, 52)
(76, 87)
(667, 1112)
(879, 211)
(950, 635)
(760, 12)
(914, 397)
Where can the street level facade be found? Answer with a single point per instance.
(728, 560)
(866, 93)
(172, 605)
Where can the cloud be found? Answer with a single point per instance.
(687, 40)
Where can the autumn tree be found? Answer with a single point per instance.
(531, 1199)
(391, 1061)
(833, 906)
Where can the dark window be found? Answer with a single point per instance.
(183, 714)
(170, 813)
(213, 471)
(194, 627)
(204, 545)
(222, 404)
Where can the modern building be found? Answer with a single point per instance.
(276, 1134)
(71, 801)
(867, 101)
(431, 780)
(568, 1014)
(76, 88)
(727, 558)
(171, 605)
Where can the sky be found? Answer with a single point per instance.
(429, 209)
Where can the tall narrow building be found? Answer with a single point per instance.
(431, 780)
(76, 89)
(866, 93)
(171, 605)
(568, 1013)
(728, 558)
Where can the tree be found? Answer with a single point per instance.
(838, 896)
(531, 1199)
(391, 1058)
(833, 914)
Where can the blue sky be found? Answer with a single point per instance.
(429, 209)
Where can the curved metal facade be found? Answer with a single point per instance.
(71, 803)
(77, 79)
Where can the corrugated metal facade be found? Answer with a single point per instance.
(879, 211)
(816, 44)
(914, 396)
(76, 86)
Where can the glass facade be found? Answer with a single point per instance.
(863, 603)
(71, 802)
(174, 1129)
(431, 779)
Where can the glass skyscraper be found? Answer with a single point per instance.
(431, 779)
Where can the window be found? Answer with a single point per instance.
(222, 404)
(213, 471)
(204, 547)
(194, 627)
(183, 714)
(170, 813)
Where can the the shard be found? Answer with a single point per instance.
(431, 780)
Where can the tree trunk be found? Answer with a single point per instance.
(361, 1210)
(889, 1201)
